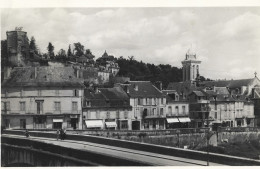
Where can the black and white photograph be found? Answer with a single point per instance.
(128, 84)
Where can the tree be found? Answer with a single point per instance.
(88, 52)
(79, 49)
(69, 53)
(33, 46)
(50, 49)
(62, 54)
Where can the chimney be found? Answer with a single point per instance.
(136, 87)
(127, 89)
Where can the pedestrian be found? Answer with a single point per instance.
(58, 134)
(61, 134)
(27, 133)
(64, 134)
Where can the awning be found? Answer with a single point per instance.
(184, 119)
(111, 124)
(94, 123)
(172, 120)
(57, 120)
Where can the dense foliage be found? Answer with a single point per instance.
(145, 71)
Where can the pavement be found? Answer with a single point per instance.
(151, 158)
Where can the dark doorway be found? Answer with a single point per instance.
(22, 124)
(57, 125)
(135, 125)
(74, 122)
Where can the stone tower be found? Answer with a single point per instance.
(17, 46)
(190, 66)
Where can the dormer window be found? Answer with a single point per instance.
(136, 87)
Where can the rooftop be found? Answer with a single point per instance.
(42, 77)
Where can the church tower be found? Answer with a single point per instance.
(190, 67)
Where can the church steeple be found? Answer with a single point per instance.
(190, 66)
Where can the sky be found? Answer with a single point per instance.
(225, 39)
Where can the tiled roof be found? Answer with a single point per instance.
(145, 89)
(43, 77)
(181, 87)
(198, 93)
(228, 83)
(107, 97)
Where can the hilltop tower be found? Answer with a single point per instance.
(190, 66)
(17, 46)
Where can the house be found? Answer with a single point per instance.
(148, 105)
(106, 108)
(209, 108)
(41, 98)
(177, 110)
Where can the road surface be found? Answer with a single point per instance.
(150, 158)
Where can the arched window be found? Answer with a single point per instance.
(193, 72)
(170, 110)
(198, 70)
(177, 110)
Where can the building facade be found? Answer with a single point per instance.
(106, 108)
(148, 105)
(42, 98)
(177, 110)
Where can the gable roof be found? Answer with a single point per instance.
(107, 97)
(43, 76)
(145, 89)
(181, 87)
(228, 83)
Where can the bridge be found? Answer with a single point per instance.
(42, 149)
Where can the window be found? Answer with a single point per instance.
(216, 115)
(5, 106)
(98, 115)
(117, 114)
(146, 101)
(39, 106)
(88, 103)
(139, 101)
(76, 92)
(126, 114)
(22, 106)
(177, 110)
(57, 92)
(74, 106)
(22, 93)
(154, 111)
(124, 124)
(161, 100)
(57, 106)
(170, 110)
(39, 93)
(183, 109)
(161, 111)
(108, 115)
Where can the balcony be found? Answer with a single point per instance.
(203, 101)
(199, 108)
(154, 116)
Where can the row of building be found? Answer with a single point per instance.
(53, 97)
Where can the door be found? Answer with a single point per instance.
(135, 125)
(74, 122)
(22, 124)
(57, 125)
